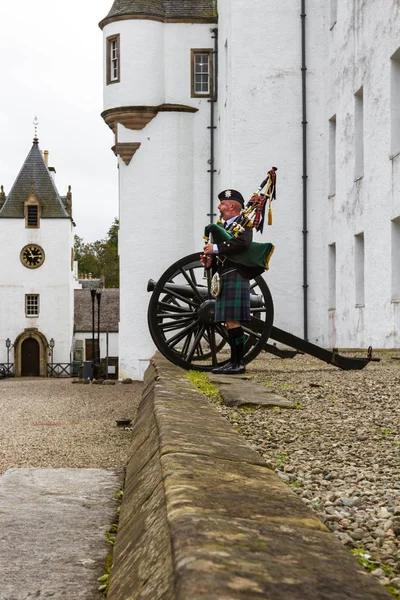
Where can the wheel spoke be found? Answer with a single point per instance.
(192, 285)
(211, 335)
(175, 325)
(171, 343)
(196, 343)
(182, 298)
(179, 315)
(251, 332)
(177, 308)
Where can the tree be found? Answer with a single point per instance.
(99, 258)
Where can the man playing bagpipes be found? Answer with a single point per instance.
(235, 259)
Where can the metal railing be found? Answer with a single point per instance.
(61, 370)
(8, 368)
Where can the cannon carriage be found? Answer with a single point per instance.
(181, 323)
(181, 308)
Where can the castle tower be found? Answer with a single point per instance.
(36, 288)
(157, 83)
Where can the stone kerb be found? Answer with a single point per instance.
(203, 517)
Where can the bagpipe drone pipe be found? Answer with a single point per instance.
(253, 216)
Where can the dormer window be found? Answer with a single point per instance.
(32, 213)
(113, 59)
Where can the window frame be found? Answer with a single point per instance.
(193, 53)
(110, 59)
(32, 316)
(32, 202)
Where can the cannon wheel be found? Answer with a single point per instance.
(181, 318)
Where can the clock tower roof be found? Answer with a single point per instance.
(34, 175)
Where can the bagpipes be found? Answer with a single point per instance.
(253, 216)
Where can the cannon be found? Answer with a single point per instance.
(181, 322)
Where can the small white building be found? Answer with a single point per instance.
(37, 278)
(203, 95)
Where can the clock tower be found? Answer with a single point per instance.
(37, 283)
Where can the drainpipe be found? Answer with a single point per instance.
(212, 126)
(305, 176)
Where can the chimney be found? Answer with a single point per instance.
(69, 201)
(46, 157)
(2, 197)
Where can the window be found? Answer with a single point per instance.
(333, 12)
(33, 214)
(32, 305)
(396, 260)
(201, 73)
(32, 211)
(359, 134)
(359, 269)
(332, 156)
(394, 102)
(113, 59)
(332, 275)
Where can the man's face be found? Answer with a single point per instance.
(228, 209)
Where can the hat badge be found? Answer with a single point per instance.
(228, 194)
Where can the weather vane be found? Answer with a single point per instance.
(36, 123)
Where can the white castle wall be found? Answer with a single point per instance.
(163, 198)
(53, 281)
(361, 45)
(260, 116)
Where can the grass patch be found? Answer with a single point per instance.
(110, 535)
(204, 385)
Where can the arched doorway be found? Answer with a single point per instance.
(31, 354)
(30, 358)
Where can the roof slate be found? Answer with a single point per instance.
(164, 9)
(109, 310)
(34, 170)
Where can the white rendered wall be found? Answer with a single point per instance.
(164, 191)
(53, 281)
(260, 125)
(112, 342)
(362, 41)
(141, 64)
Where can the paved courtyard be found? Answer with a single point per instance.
(52, 423)
(62, 460)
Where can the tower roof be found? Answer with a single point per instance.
(202, 11)
(34, 176)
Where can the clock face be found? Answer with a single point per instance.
(32, 256)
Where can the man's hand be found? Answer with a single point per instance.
(208, 248)
(205, 260)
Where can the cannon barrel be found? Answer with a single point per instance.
(186, 291)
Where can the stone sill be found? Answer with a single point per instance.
(395, 302)
(332, 309)
(359, 305)
(359, 178)
(331, 196)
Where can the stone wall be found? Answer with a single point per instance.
(203, 517)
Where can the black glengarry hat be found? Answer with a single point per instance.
(231, 195)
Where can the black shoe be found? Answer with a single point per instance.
(237, 369)
(221, 370)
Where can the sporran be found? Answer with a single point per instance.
(216, 285)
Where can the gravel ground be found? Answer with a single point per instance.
(51, 423)
(338, 451)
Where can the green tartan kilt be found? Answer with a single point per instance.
(234, 302)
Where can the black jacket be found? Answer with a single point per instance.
(235, 246)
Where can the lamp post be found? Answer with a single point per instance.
(52, 344)
(98, 296)
(93, 295)
(8, 346)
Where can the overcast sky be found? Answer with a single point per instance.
(51, 66)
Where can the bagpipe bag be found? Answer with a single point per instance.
(256, 255)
